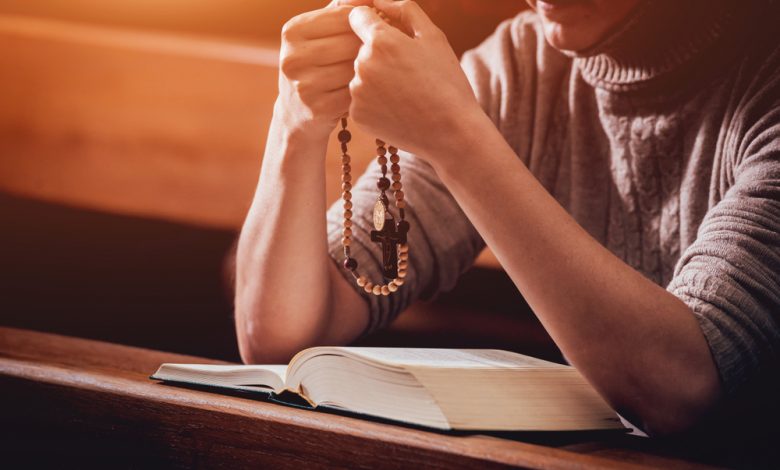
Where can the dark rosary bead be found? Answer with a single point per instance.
(351, 264)
(403, 226)
(344, 148)
(344, 136)
(383, 184)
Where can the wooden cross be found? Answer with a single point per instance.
(390, 236)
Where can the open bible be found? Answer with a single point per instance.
(448, 389)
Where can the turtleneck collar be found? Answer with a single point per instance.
(658, 39)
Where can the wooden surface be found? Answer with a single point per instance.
(69, 401)
(140, 122)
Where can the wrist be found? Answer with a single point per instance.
(289, 125)
(463, 139)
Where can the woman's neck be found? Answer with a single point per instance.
(658, 40)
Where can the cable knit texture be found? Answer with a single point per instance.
(663, 142)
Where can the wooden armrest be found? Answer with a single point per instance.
(97, 399)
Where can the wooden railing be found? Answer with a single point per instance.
(68, 401)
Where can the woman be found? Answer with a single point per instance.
(620, 158)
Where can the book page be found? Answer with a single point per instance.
(236, 376)
(450, 358)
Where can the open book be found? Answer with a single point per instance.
(449, 389)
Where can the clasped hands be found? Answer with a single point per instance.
(400, 81)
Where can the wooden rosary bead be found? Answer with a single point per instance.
(385, 290)
(347, 223)
(346, 178)
(392, 286)
(379, 143)
(398, 281)
(361, 281)
(394, 158)
(381, 151)
(403, 248)
(399, 195)
(346, 195)
(396, 185)
(368, 287)
(344, 136)
(392, 150)
(401, 273)
(350, 264)
(347, 205)
(382, 161)
(377, 289)
(400, 204)
(395, 168)
(403, 264)
(347, 232)
(345, 159)
(403, 256)
(396, 177)
(346, 241)
(346, 168)
(347, 214)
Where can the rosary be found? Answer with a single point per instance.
(389, 233)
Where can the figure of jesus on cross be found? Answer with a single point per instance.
(390, 236)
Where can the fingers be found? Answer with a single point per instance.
(318, 24)
(328, 78)
(354, 3)
(332, 49)
(368, 25)
(408, 15)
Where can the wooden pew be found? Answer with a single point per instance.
(138, 122)
(68, 401)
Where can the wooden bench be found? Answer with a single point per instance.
(68, 401)
(132, 121)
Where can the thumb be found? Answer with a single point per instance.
(408, 15)
(367, 23)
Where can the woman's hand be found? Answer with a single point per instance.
(316, 65)
(409, 89)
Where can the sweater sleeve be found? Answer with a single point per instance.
(442, 241)
(730, 275)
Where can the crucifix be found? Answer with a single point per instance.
(390, 236)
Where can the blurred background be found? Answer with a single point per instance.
(131, 137)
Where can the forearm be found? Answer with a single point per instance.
(284, 288)
(632, 339)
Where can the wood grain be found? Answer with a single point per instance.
(93, 402)
(137, 122)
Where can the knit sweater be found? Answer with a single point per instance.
(663, 142)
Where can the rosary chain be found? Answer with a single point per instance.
(383, 185)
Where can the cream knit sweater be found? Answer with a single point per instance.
(663, 143)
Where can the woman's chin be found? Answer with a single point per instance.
(561, 38)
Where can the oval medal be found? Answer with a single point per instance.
(379, 215)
